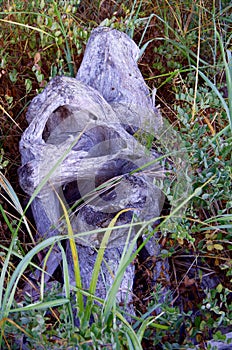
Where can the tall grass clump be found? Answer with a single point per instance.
(25, 318)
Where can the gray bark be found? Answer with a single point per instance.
(80, 135)
(110, 66)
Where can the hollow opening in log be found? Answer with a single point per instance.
(53, 122)
(99, 141)
(64, 122)
(72, 195)
(112, 169)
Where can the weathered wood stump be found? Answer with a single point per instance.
(81, 134)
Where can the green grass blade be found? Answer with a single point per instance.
(98, 262)
(147, 322)
(144, 32)
(7, 258)
(124, 262)
(214, 88)
(26, 260)
(216, 227)
(42, 305)
(27, 26)
(143, 48)
(76, 266)
(10, 117)
(4, 183)
(66, 282)
(65, 271)
(132, 338)
(219, 218)
(228, 71)
(67, 50)
(42, 285)
(129, 256)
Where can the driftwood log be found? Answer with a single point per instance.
(84, 132)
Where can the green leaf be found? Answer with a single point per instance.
(42, 305)
(219, 288)
(218, 246)
(74, 252)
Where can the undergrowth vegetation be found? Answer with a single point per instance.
(185, 53)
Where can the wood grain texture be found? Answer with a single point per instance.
(80, 135)
(110, 66)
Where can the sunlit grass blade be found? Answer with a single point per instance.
(10, 289)
(44, 305)
(74, 252)
(149, 321)
(143, 48)
(4, 183)
(9, 116)
(19, 270)
(217, 92)
(7, 259)
(146, 315)
(133, 340)
(42, 285)
(98, 262)
(101, 250)
(132, 19)
(27, 26)
(126, 259)
(66, 282)
(65, 271)
(67, 50)
(4, 320)
(216, 227)
(219, 218)
(228, 71)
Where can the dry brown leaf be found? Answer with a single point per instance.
(37, 58)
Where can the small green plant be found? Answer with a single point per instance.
(57, 29)
(3, 162)
(217, 311)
